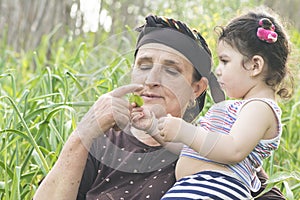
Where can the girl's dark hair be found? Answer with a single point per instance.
(241, 33)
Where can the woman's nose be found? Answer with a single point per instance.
(153, 77)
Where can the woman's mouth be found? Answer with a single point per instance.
(151, 96)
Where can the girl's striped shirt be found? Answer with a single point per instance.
(219, 119)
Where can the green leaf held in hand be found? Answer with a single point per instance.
(138, 100)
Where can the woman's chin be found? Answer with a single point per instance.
(157, 109)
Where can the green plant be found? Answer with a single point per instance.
(44, 93)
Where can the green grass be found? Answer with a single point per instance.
(44, 93)
(41, 99)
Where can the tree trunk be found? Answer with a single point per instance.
(288, 9)
(25, 22)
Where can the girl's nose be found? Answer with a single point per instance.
(218, 71)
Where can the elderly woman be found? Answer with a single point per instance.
(106, 157)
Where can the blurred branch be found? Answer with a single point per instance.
(289, 9)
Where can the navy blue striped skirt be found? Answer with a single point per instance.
(208, 185)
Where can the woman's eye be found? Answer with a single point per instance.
(145, 66)
(172, 71)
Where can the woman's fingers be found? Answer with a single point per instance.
(109, 110)
(121, 107)
(123, 90)
(136, 113)
(136, 116)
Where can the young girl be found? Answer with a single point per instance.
(226, 148)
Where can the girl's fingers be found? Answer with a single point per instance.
(161, 123)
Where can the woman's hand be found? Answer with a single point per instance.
(109, 110)
(143, 119)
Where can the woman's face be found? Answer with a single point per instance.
(167, 78)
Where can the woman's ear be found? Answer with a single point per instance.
(257, 65)
(199, 87)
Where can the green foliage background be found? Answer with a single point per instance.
(44, 92)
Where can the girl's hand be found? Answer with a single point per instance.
(169, 128)
(174, 129)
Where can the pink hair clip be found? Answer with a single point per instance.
(266, 31)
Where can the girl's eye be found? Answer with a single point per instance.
(224, 61)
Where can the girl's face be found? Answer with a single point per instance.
(233, 76)
(167, 78)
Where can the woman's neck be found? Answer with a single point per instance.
(143, 137)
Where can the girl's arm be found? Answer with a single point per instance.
(173, 147)
(254, 122)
